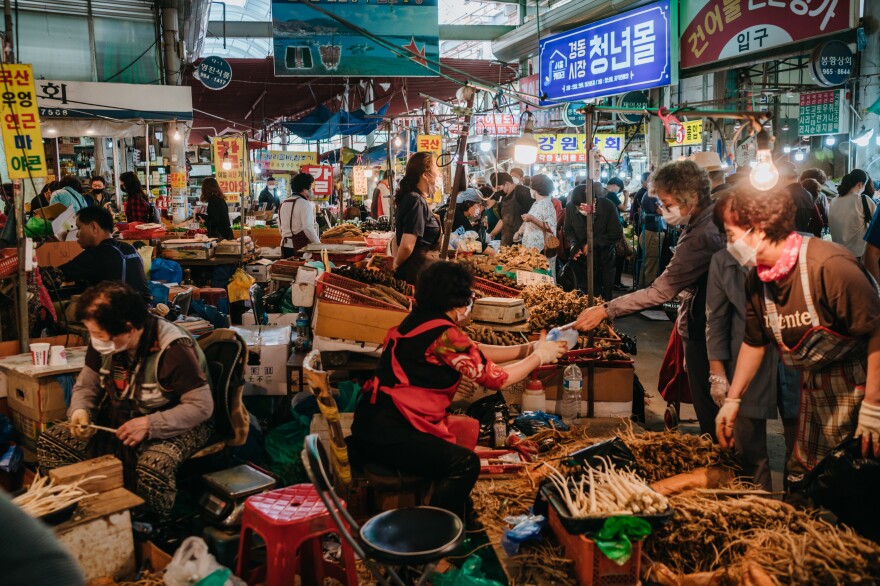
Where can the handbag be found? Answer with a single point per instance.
(622, 248)
(551, 244)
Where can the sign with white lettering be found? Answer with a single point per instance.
(626, 52)
(822, 113)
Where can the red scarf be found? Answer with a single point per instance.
(785, 263)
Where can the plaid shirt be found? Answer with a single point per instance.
(137, 209)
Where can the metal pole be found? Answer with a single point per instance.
(23, 314)
(147, 160)
(588, 148)
(459, 174)
(245, 187)
(116, 165)
(390, 178)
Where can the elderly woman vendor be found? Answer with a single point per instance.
(401, 421)
(143, 376)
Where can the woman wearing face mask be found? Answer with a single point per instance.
(725, 327)
(469, 208)
(401, 421)
(684, 192)
(541, 218)
(812, 300)
(418, 230)
(144, 377)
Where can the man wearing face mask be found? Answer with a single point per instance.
(401, 420)
(684, 192)
(144, 377)
(99, 194)
(606, 232)
(516, 200)
(296, 217)
(469, 206)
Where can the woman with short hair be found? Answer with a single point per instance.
(217, 215)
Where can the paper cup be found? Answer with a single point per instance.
(57, 356)
(40, 354)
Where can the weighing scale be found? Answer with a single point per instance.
(223, 501)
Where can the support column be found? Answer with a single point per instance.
(870, 83)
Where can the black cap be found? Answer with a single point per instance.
(616, 181)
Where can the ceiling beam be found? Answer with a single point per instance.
(448, 32)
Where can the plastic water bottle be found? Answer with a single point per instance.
(499, 431)
(303, 330)
(572, 383)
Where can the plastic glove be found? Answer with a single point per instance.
(869, 429)
(79, 421)
(549, 352)
(724, 422)
(718, 387)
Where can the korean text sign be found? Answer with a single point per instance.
(323, 174)
(714, 30)
(561, 148)
(230, 150)
(822, 113)
(286, 160)
(22, 139)
(359, 180)
(497, 125)
(687, 134)
(432, 143)
(626, 52)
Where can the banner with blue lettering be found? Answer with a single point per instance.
(630, 51)
(384, 39)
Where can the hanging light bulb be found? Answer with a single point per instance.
(737, 125)
(786, 149)
(764, 175)
(256, 169)
(569, 174)
(397, 141)
(368, 172)
(176, 135)
(485, 143)
(227, 164)
(525, 151)
(785, 126)
(830, 141)
(799, 156)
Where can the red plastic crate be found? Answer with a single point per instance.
(336, 289)
(492, 289)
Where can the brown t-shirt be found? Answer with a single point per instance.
(845, 298)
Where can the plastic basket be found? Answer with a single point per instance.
(336, 289)
(8, 261)
(286, 268)
(491, 289)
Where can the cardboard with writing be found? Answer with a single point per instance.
(269, 349)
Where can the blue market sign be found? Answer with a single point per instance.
(832, 63)
(215, 73)
(572, 117)
(630, 51)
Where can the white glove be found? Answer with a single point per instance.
(718, 388)
(549, 352)
(724, 421)
(869, 427)
(79, 421)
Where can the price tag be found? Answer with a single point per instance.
(525, 278)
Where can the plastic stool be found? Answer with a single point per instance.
(291, 522)
(215, 296)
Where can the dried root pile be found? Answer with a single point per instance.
(485, 335)
(486, 270)
(549, 307)
(374, 277)
(541, 563)
(343, 231)
(667, 453)
(518, 257)
(44, 496)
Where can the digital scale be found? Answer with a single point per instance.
(223, 501)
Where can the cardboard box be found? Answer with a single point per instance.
(55, 254)
(259, 270)
(63, 219)
(28, 429)
(355, 322)
(269, 349)
(611, 383)
(40, 399)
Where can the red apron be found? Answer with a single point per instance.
(424, 409)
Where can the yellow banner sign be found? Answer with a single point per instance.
(687, 134)
(609, 145)
(22, 139)
(432, 143)
(561, 148)
(290, 161)
(229, 164)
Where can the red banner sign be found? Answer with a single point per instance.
(720, 29)
(323, 185)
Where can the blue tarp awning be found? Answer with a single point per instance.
(323, 124)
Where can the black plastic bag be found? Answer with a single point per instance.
(567, 277)
(614, 450)
(483, 410)
(847, 484)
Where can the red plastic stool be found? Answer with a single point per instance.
(291, 522)
(215, 296)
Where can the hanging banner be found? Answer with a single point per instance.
(322, 188)
(229, 151)
(626, 52)
(432, 143)
(22, 141)
(687, 134)
(360, 181)
(610, 146)
(823, 113)
(120, 101)
(561, 148)
(285, 160)
(716, 30)
(496, 125)
(402, 37)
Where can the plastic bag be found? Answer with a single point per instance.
(238, 287)
(483, 410)
(347, 399)
(615, 537)
(38, 227)
(192, 563)
(146, 254)
(470, 574)
(284, 445)
(531, 422)
(166, 270)
(525, 528)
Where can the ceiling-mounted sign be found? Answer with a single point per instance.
(229, 152)
(496, 125)
(822, 113)
(715, 30)
(687, 134)
(214, 72)
(832, 63)
(632, 101)
(609, 145)
(323, 185)
(120, 101)
(561, 148)
(573, 116)
(401, 38)
(626, 52)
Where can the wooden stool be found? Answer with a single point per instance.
(291, 521)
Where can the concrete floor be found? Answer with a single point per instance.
(652, 337)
